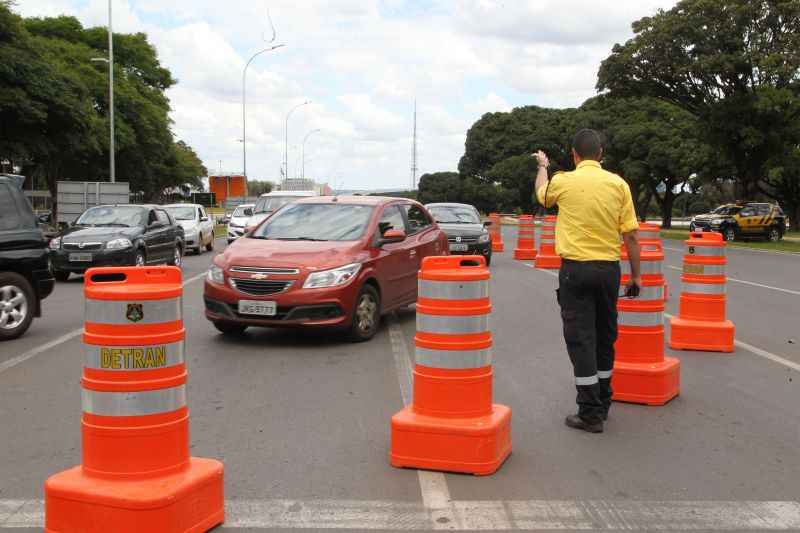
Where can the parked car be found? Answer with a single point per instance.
(466, 234)
(198, 228)
(324, 261)
(238, 221)
(743, 220)
(117, 235)
(25, 274)
(270, 202)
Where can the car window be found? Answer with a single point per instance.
(317, 222)
(417, 219)
(748, 211)
(391, 218)
(111, 215)
(163, 217)
(455, 214)
(182, 212)
(764, 210)
(9, 213)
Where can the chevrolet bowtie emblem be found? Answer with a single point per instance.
(458, 239)
(258, 276)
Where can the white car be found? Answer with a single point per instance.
(238, 221)
(197, 225)
(272, 201)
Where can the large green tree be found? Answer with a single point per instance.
(733, 64)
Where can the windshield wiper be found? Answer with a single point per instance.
(113, 225)
(300, 239)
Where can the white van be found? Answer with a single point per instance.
(272, 201)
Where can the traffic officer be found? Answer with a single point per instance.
(594, 209)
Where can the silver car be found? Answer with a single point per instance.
(197, 225)
(238, 221)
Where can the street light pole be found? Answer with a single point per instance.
(303, 150)
(244, 105)
(286, 139)
(111, 155)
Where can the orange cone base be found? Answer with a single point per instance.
(189, 501)
(476, 445)
(646, 383)
(524, 253)
(498, 246)
(701, 335)
(548, 261)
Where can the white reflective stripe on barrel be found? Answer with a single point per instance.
(140, 357)
(651, 293)
(703, 288)
(136, 403)
(134, 312)
(454, 290)
(631, 318)
(705, 270)
(452, 324)
(454, 358)
(647, 267)
(705, 251)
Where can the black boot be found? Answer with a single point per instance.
(575, 421)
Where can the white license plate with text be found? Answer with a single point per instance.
(257, 307)
(80, 257)
(459, 247)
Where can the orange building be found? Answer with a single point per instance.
(227, 185)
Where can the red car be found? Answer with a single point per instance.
(324, 261)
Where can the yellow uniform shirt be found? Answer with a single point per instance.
(594, 209)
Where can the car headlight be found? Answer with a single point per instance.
(55, 244)
(216, 275)
(333, 277)
(484, 238)
(118, 244)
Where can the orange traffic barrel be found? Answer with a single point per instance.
(452, 424)
(650, 233)
(547, 258)
(136, 473)
(641, 372)
(526, 238)
(496, 232)
(702, 324)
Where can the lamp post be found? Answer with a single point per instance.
(244, 105)
(303, 150)
(286, 139)
(110, 61)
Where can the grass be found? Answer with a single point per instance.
(780, 246)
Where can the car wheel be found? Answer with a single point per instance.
(488, 258)
(177, 257)
(774, 234)
(140, 259)
(61, 275)
(229, 328)
(16, 305)
(210, 245)
(729, 233)
(366, 315)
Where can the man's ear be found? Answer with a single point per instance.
(575, 156)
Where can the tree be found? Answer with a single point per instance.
(439, 187)
(733, 64)
(516, 175)
(257, 188)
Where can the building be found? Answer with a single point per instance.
(228, 188)
(303, 184)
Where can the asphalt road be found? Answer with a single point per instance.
(301, 420)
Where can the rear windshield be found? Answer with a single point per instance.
(454, 214)
(182, 213)
(727, 210)
(268, 204)
(243, 212)
(317, 222)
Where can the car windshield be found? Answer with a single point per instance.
(268, 204)
(727, 210)
(243, 212)
(316, 222)
(452, 214)
(128, 216)
(182, 212)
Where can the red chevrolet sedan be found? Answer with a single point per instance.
(324, 261)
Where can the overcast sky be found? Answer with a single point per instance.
(362, 63)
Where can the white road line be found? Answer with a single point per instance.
(433, 485)
(19, 359)
(754, 284)
(574, 515)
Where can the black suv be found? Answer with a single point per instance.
(25, 274)
(117, 235)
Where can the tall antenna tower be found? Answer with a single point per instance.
(414, 151)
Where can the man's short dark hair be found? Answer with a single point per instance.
(587, 144)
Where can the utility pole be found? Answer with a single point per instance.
(414, 151)
(286, 139)
(309, 134)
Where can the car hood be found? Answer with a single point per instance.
(711, 217)
(462, 230)
(99, 234)
(292, 254)
(187, 225)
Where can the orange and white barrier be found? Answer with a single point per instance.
(650, 233)
(136, 473)
(526, 238)
(452, 424)
(641, 372)
(547, 258)
(702, 324)
(496, 231)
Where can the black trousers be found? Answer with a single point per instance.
(587, 293)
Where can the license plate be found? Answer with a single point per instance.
(257, 307)
(80, 257)
(459, 247)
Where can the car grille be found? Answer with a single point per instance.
(87, 246)
(464, 240)
(702, 224)
(259, 287)
(265, 270)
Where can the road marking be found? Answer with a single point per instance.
(19, 359)
(433, 485)
(754, 284)
(574, 515)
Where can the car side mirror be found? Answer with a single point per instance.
(155, 224)
(204, 219)
(487, 223)
(392, 236)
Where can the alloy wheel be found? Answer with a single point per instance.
(139, 259)
(774, 235)
(730, 234)
(179, 257)
(13, 307)
(365, 312)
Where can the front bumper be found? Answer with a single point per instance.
(295, 307)
(484, 249)
(61, 262)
